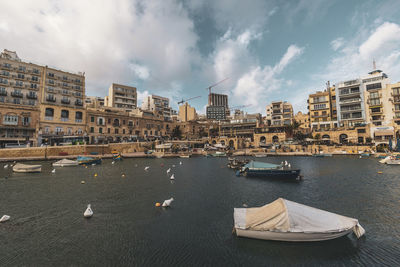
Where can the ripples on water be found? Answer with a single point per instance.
(47, 225)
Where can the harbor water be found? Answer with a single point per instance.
(47, 226)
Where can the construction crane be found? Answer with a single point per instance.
(209, 88)
(185, 100)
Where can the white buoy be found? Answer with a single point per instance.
(93, 164)
(288, 165)
(168, 170)
(53, 171)
(173, 166)
(88, 212)
(282, 163)
(6, 166)
(180, 162)
(172, 177)
(146, 168)
(113, 162)
(4, 218)
(167, 202)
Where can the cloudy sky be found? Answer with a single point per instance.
(270, 50)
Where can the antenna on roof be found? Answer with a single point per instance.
(374, 64)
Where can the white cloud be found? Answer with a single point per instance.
(387, 35)
(103, 39)
(292, 52)
(141, 96)
(258, 84)
(337, 43)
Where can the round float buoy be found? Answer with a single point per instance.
(82, 182)
(95, 175)
(380, 172)
(123, 175)
(158, 204)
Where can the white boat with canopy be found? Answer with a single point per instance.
(286, 220)
(65, 163)
(26, 168)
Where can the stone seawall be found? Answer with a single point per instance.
(7, 154)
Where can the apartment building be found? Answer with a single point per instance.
(394, 90)
(121, 96)
(304, 121)
(19, 106)
(187, 113)
(62, 112)
(159, 106)
(322, 109)
(217, 108)
(279, 113)
(94, 102)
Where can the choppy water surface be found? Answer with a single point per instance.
(47, 225)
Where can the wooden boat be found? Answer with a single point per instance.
(27, 168)
(88, 160)
(65, 163)
(117, 156)
(184, 156)
(256, 168)
(285, 220)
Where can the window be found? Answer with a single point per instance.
(69, 130)
(78, 116)
(3, 81)
(49, 112)
(35, 78)
(64, 115)
(26, 121)
(374, 86)
(47, 129)
(396, 91)
(19, 83)
(100, 130)
(123, 131)
(92, 129)
(51, 82)
(50, 74)
(22, 68)
(59, 129)
(109, 130)
(79, 131)
(375, 101)
(374, 95)
(20, 76)
(109, 120)
(31, 102)
(17, 101)
(33, 85)
(10, 120)
(319, 106)
(100, 121)
(123, 122)
(36, 71)
(116, 131)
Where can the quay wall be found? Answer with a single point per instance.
(56, 151)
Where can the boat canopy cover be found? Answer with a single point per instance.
(260, 165)
(25, 166)
(287, 216)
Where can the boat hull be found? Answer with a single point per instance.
(272, 173)
(28, 170)
(88, 161)
(290, 236)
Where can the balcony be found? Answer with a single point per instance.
(65, 101)
(78, 120)
(3, 93)
(48, 118)
(78, 103)
(64, 119)
(115, 124)
(31, 96)
(51, 99)
(17, 94)
(349, 101)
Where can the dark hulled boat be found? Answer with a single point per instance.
(263, 169)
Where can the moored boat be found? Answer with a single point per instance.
(285, 220)
(260, 155)
(256, 168)
(88, 160)
(26, 168)
(219, 154)
(65, 163)
(184, 156)
(237, 163)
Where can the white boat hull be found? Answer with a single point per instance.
(290, 236)
(27, 168)
(393, 162)
(67, 164)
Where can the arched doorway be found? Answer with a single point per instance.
(275, 139)
(231, 144)
(326, 137)
(223, 142)
(343, 138)
(214, 142)
(263, 140)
